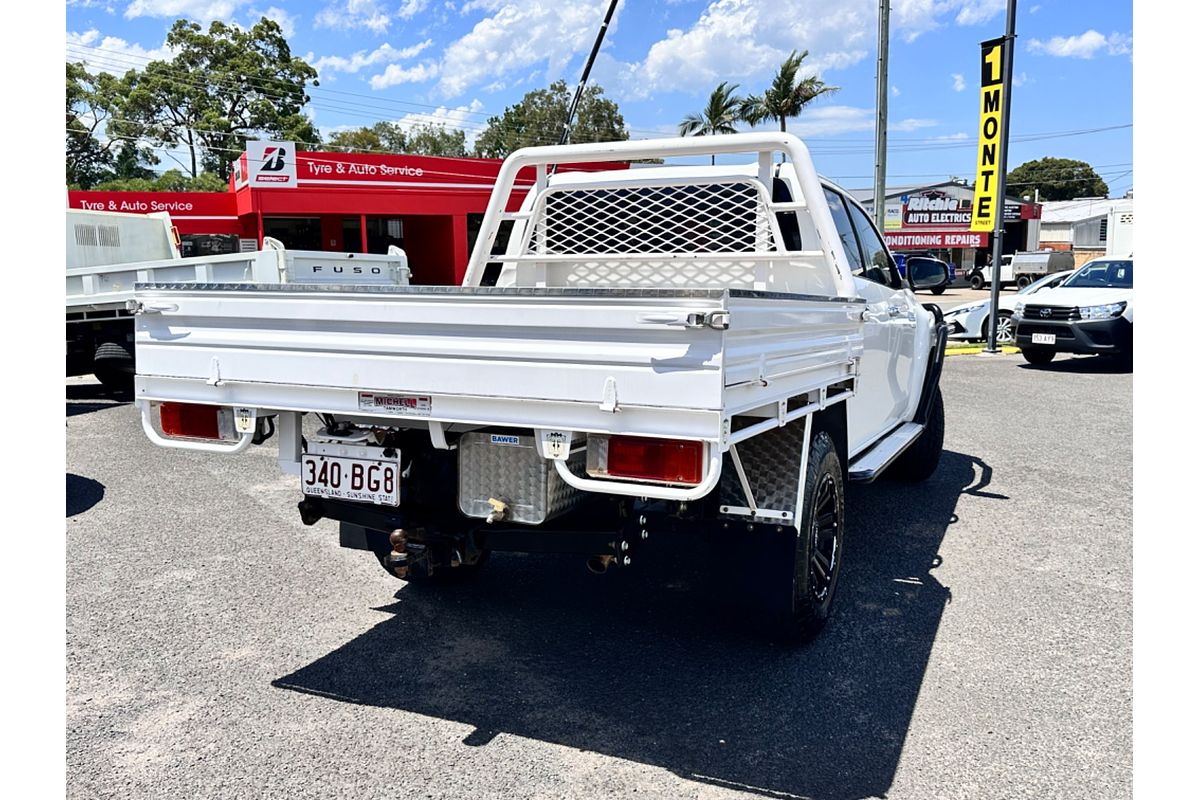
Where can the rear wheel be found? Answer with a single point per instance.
(976, 281)
(1038, 355)
(815, 550)
(114, 377)
(938, 290)
(1024, 281)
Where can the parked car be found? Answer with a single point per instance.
(1090, 312)
(970, 320)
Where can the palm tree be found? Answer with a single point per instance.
(785, 97)
(718, 116)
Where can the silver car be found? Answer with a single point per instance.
(970, 320)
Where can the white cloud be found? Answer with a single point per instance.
(1084, 45)
(410, 8)
(517, 35)
(326, 66)
(743, 39)
(959, 82)
(911, 18)
(202, 10)
(395, 75)
(349, 14)
(465, 118)
(833, 120)
(895, 91)
(975, 12)
(287, 22)
(111, 54)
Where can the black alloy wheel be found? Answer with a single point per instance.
(825, 541)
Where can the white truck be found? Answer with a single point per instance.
(108, 252)
(714, 349)
(1023, 268)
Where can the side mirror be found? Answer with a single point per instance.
(927, 273)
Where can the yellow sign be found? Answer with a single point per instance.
(988, 203)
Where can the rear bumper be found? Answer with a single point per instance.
(1079, 336)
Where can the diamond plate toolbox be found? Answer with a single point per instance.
(508, 468)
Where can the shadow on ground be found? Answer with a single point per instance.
(84, 398)
(647, 666)
(82, 493)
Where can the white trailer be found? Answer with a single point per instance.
(687, 347)
(108, 253)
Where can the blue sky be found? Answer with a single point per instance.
(458, 62)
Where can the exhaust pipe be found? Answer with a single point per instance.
(598, 565)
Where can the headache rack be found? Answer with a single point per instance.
(665, 227)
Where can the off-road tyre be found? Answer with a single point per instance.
(813, 551)
(1039, 356)
(921, 458)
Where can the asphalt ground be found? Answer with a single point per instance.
(981, 644)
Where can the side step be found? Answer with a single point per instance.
(870, 465)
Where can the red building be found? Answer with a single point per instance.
(344, 202)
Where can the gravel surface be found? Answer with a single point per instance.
(981, 645)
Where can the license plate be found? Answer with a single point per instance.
(363, 480)
(1043, 338)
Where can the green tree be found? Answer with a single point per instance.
(133, 160)
(1056, 179)
(173, 180)
(539, 117)
(719, 116)
(386, 137)
(355, 140)
(785, 97)
(91, 103)
(222, 87)
(437, 140)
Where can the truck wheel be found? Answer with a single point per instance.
(1037, 355)
(114, 377)
(938, 290)
(921, 458)
(1023, 281)
(815, 549)
(976, 281)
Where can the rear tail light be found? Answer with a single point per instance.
(636, 458)
(195, 421)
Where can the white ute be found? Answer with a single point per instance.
(707, 349)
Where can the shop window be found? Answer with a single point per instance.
(296, 233)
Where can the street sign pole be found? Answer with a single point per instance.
(1010, 36)
(881, 103)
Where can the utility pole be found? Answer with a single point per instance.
(881, 100)
(1010, 43)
